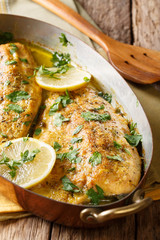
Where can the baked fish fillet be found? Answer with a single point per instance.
(88, 160)
(20, 96)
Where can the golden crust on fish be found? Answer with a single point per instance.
(113, 176)
(17, 114)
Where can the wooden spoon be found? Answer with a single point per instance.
(137, 64)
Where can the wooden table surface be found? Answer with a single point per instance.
(131, 21)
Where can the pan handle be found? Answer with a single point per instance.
(96, 215)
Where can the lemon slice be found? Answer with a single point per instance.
(32, 159)
(72, 79)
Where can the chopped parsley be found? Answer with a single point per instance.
(89, 116)
(71, 156)
(14, 165)
(69, 186)
(7, 144)
(27, 123)
(106, 96)
(99, 108)
(23, 60)
(7, 82)
(71, 169)
(61, 101)
(5, 37)
(34, 74)
(24, 82)
(133, 140)
(116, 157)
(59, 119)
(78, 129)
(37, 131)
(57, 146)
(17, 96)
(64, 40)
(86, 79)
(95, 196)
(25, 139)
(14, 107)
(16, 118)
(132, 128)
(13, 49)
(10, 62)
(117, 145)
(4, 135)
(95, 159)
(60, 59)
(44, 71)
(127, 151)
(76, 140)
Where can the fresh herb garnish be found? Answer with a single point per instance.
(69, 186)
(60, 59)
(76, 140)
(132, 128)
(5, 37)
(71, 169)
(27, 123)
(16, 118)
(86, 79)
(95, 196)
(71, 156)
(61, 101)
(59, 119)
(57, 146)
(14, 107)
(133, 140)
(95, 159)
(44, 71)
(25, 139)
(117, 145)
(64, 40)
(14, 165)
(37, 131)
(127, 151)
(106, 96)
(10, 62)
(13, 49)
(4, 135)
(7, 82)
(116, 157)
(7, 144)
(24, 82)
(99, 108)
(42, 107)
(17, 96)
(78, 129)
(89, 116)
(34, 74)
(23, 60)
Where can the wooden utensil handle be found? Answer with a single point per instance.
(76, 20)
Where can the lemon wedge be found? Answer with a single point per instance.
(26, 161)
(72, 79)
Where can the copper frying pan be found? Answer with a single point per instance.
(108, 79)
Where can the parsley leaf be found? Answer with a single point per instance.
(95, 196)
(69, 186)
(37, 131)
(133, 140)
(7, 82)
(116, 157)
(17, 96)
(60, 101)
(4, 135)
(5, 37)
(76, 140)
(8, 144)
(25, 139)
(117, 145)
(127, 151)
(95, 159)
(23, 60)
(86, 79)
(71, 169)
(13, 49)
(99, 108)
(64, 40)
(10, 62)
(106, 96)
(14, 107)
(57, 146)
(132, 128)
(26, 123)
(60, 59)
(71, 156)
(59, 119)
(24, 82)
(78, 129)
(89, 116)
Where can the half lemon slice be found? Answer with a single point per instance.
(26, 161)
(72, 79)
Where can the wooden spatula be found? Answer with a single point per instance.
(137, 64)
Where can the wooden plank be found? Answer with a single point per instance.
(148, 223)
(113, 17)
(32, 228)
(118, 229)
(146, 23)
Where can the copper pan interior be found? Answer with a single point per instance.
(107, 78)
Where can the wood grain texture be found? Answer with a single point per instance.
(146, 23)
(112, 16)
